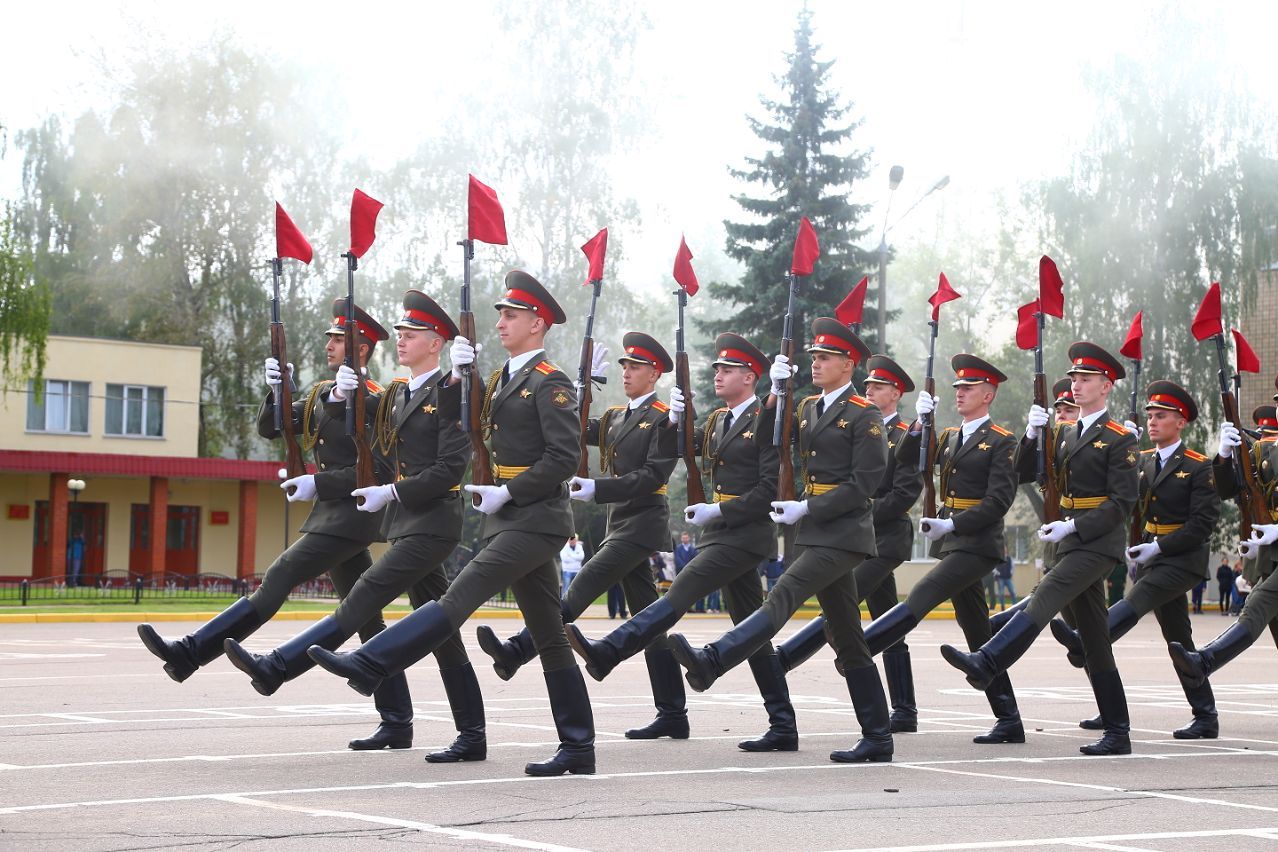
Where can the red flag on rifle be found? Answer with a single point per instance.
(1131, 346)
(595, 249)
(1207, 318)
(1051, 289)
(1248, 361)
(806, 249)
(1027, 325)
(944, 293)
(485, 220)
(683, 269)
(289, 241)
(364, 210)
(852, 308)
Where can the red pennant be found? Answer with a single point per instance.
(683, 269)
(1207, 318)
(852, 308)
(944, 293)
(289, 241)
(1027, 326)
(806, 249)
(486, 221)
(364, 210)
(1051, 289)
(1248, 361)
(595, 249)
(1131, 346)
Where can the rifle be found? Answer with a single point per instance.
(1045, 449)
(783, 427)
(1253, 507)
(481, 469)
(355, 403)
(585, 392)
(927, 423)
(294, 466)
(686, 429)
(1137, 531)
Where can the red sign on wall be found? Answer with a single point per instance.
(219, 519)
(19, 511)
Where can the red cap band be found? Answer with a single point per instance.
(430, 322)
(538, 307)
(833, 342)
(1096, 365)
(883, 375)
(644, 354)
(738, 355)
(1267, 422)
(979, 375)
(1164, 399)
(340, 320)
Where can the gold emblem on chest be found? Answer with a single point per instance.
(644, 425)
(1182, 474)
(525, 393)
(1100, 445)
(428, 408)
(982, 446)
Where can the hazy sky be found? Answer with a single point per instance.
(990, 93)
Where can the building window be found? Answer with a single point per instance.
(1018, 542)
(64, 407)
(136, 410)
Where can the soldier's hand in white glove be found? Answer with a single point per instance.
(375, 497)
(580, 488)
(461, 354)
(780, 372)
(491, 497)
(344, 385)
(273, 373)
(1056, 531)
(789, 511)
(700, 514)
(599, 364)
(1130, 426)
(936, 528)
(676, 404)
(299, 488)
(1248, 549)
(1142, 553)
(1035, 420)
(1264, 534)
(1230, 439)
(924, 405)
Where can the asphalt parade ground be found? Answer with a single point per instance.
(100, 751)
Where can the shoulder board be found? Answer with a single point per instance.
(994, 427)
(545, 368)
(399, 380)
(661, 406)
(1269, 439)
(859, 400)
(810, 398)
(373, 386)
(1060, 423)
(902, 426)
(951, 428)
(1196, 456)
(613, 408)
(1116, 427)
(1150, 450)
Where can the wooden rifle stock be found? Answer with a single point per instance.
(1253, 507)
(927, 426)
(686, 429)
(472, 389)
(294, 466)
(1137, 530)
(585, 389)
(783, 428)
(355, 403)
(1045, 449)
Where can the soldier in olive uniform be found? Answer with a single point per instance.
(1179, 507)
(885, 383)
(530, 414)
(843, 451)
(738, 456)
(1096, 467)
(977, 484)
(335, 536)
(419, 435)
(636, 458)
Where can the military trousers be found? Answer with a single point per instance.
(524, 562)
(829, 574)
(720, 566)
(1077, 582)
(625, 562)
(313, 554)
(1261, 608)
(876, 584)
(958, 577)
(1160, 588)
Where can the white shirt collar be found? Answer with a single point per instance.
(833, 396)
(970, 426)
(517, 362)
(415, 383)
(888, 419)
(741, 409)
(635, 403)
(1166, 452)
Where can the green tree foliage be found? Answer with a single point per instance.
(24, 312)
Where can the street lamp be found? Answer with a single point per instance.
(75, 486)
(894, 180)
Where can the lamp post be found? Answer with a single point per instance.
(75, 555)
(894, 180)
(75, 486)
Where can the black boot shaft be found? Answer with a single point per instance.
(467, 703)
(574, 722)
(802, 646)
(889, 628)
(668, 694)
(870, 704)
(783, 732)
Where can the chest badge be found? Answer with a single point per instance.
(803, 423)
(428, 408)
(1100, 445)
(525, 393)
(644, 425)
(982, 446)
(747, 434)
(843, 424)
(1182, 474)
(875, 430)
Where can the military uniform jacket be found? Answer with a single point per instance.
(422, 440)
(1179, 507)
(636, 458)
(1264, 455)
(333, 512)
(843, 454)
(898, 490)
(533, 436)
(976, 488)
(741, 466)
(1100, 465)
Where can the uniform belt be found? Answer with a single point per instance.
(400, 478)
(507, 471)
(1161, 529)
(724, 498)
(961, 502)
(1082, 502)
(816, 489)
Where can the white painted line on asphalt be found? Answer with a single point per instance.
(1093, 842)
(425, 827)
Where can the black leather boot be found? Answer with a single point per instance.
(900, 682)
(183, 656)
(800, 647)
(1205, 724)
(1122, 618)
(782, 733)
(575, 723)
(1007, 727)
(273, 669)
(467, 703)
(389, 652)
(508, 656)
(668, 695)
(1096, 723)
(395, 706)
(623, 643)
(1112, 701)
(730, 650)
(1195, 666)
(997, 655)
(889, 628)
(998, 619)
(875, 745)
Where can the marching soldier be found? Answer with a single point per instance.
(885, 383)
(1178, 507)
(978, 484)
(419, 434)
(530, 417)
(636, 458)
(737, 452)
(335, 536)
(844, 453)
(1096, 464)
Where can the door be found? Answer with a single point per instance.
(182, 540)
(88, 520)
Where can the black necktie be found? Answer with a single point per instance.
(1158, 463)
(629, 411)
(820, 407)
(408, 392)
(959, 444)
(1078, 436)
(727, 423)
(505, 373)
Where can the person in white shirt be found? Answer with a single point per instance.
(570, 559)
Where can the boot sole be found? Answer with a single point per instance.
(904, 727)
(876, 758)
(580, 770)
(761, 749)
(441, 758)
(1190, 735)
(380, 747)
(155, 643)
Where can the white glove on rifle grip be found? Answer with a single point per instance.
(344, 384)
(676, 404)
(1036, 420)
(273, 373)
(925, 404)
(599, 364)
(780, 372)
(461, 354)
(1230, 439)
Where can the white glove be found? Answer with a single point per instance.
(925, 404)
(1037, 419)
(375, 497)
(788, 511)
(599, 364)
(1133, 428)
(936, 528)
(1229, 440)
(461, 354)
(273, 372)
(491, 497)
(676, 404)
(780, 371)
(1142, 553)
(1056, 530)
(700, 514)
(1248, 549)
(1264, 534)
(344, 384)
(581, 489)
(303, 488)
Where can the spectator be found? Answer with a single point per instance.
(1197, 595)
(772, 571)
(1003, 580)
(1241, 589)
(570, 559)
(75, 558)
(1225, 585)
(616, 601)
(990, 592)
(683, 554)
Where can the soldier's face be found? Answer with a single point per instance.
(414, 347)
(1090, 389)
(1066, 412)
(335, 351)
(733, 383)
(519, 329)
(638, 379)
(1164, 426)
(829, 371)
(973, 400)
(882, 395)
